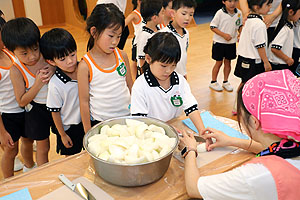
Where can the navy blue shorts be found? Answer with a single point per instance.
(221, 51)
(14, 124)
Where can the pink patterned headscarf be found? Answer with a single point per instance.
(274, 99)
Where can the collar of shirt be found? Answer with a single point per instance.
(152, 81)
(149, 30)
(252, 15)
(62, 76)
(171, 27)
(289, 24)
(225, 10)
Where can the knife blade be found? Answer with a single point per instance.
(78, 188)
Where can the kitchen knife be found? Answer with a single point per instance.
(77, 188)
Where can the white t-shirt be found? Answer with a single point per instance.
(150, 99)
(142, 40)
(137, 27)
(121, 4)
(227, 23)
(63, 98)
(297, 34)
(8, 102)
(253, 36)
(184, 44)
(248, 182)
(284, 42)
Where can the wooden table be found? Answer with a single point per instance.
(44, 179)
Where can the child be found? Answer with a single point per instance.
(30, 75)
(281, 42)
(252, 56)
(137, 21)
(225, 25)
(160, 92)
(152, 13)
(167, 5)
(104, 78)
(12, 118)
(59, 48)
(182, 17)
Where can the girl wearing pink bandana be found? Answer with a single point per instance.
(269, 111)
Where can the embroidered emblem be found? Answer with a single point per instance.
(238, 22)
(176, 100)
(122, 70)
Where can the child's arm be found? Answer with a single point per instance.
(226, 36)
(131, 17)
(24, 97)
(66, 140)
(129, 80)
(84, 97)
(263, 55)
(5, 138)
(245, 9)
(289, 61)
(268, 19)
(197, 120)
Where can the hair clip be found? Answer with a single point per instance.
(288, 5)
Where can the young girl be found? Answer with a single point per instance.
(137, 21)
(252, 56)
(275, 131)
(160, 92)
(281, 42)
(104, 78)
(30, 75)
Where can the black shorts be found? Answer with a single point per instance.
(296, 57)
(14, 124)
(134, 52)
(279, 66)
(221, 51)
(246, 68)
(76, 133)
(38, 122)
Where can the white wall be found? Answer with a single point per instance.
(33, 11)
(7, 8)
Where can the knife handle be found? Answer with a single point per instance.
(66, 181)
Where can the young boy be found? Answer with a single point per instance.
(30, 75)
(182, 16)
(59, 49)
(152, 13)
(167, 5)
(225, 24)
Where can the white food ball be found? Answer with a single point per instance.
(201, 148)
(104, 129)
(158, 129)
(104, 156)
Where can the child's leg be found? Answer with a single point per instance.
(134, 70)
(8, 158)
(216, 70)
(42, 150)
(227, 69)
(27, 152)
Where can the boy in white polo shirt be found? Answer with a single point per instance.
(152, 13)
(59, 49)
(225, 24)
(182, 17)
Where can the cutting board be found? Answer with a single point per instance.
(63, 192)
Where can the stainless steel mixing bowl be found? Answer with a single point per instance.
(131, 174)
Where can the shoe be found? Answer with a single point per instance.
(18, 165)
(26, 169)
(215, 86)
(227, 87)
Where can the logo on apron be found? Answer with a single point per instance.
(122, 70)
(176, 100)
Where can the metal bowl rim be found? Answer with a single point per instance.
(129, 117)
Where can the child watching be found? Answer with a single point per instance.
(104, 77)
(152, 13)
(137, 21)
(30, 75)
(225, 24)
(160, 92)
(12, 119)
(182, 17)
(281, 42)
(59, 48)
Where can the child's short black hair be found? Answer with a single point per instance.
(134, 3)
(20, 32)
(166, 3)
(2, 22)
(150, 8)
(57, 43)
(177, 4)
(1, 13)
(259, 3)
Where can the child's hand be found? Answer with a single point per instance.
(39, 78)
(188, 140)
(47, 72)
(66, 140)
(222, 140)
(6, 140)
(290, 61)
(267, 66)
(227, 37)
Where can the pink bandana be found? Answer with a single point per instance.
(274, 99)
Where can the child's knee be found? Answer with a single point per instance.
(11, 152)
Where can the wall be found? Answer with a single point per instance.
(33, 11)
(7, 8)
